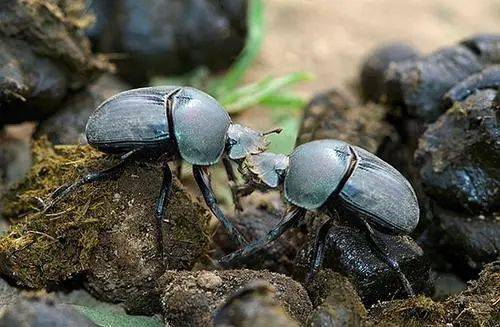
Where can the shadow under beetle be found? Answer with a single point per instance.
(331, 175)
(168, 123)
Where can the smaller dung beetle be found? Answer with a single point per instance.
(169, 123)
(331, 175)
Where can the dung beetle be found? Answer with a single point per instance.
(168, 123)
(330, 175)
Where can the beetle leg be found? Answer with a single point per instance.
(387, 258)
(231, 176)
(161, 203)
(292, 217)
(201, 177)
(103, 175)
(319, 248)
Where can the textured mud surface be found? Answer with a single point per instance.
(475, 306)
(190, 298)
(336, 301)
(459, 155)
(104, 232)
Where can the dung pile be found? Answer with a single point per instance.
(44, 55)
(445, 108)
(104, 233)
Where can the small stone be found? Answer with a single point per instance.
(208, 280)
(8, 293)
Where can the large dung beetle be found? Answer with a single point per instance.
(331, 176)
(168, 123)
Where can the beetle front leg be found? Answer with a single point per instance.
(161, 203)
(201, 177)
(393, 264)
(292, 217)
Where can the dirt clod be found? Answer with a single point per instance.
(112, 244)
(186, 303)
(459, 155)
(253, 305)
(478, 305)
(336, 301)
(43, 56)
(372, 76)
(349, 252)
(332, 115)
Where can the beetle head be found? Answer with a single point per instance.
(243, 141)
(266, 169)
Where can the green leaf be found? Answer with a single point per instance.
(282, 100)
(267, 92)
(105, 318)
(252, 94)
(285, 141)
(253, 43)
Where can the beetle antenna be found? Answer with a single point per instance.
(275, 130)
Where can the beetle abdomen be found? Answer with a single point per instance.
(315, 171)
(379, 192)
(130, 119)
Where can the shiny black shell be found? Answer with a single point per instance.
(138, 119)
(130, 120)
(374, 189)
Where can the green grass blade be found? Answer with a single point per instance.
(253, 43)
(253, 94)
(105, 318)
(283, 100)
